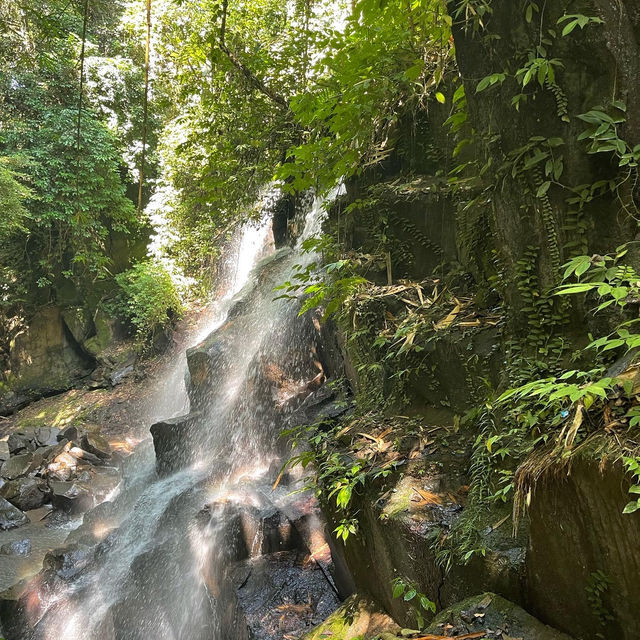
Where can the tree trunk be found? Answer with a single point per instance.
(145, 107)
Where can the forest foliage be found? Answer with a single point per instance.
(247, 95)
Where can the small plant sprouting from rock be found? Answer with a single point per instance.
(422, 606)
(597, 589)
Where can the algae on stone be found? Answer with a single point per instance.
(357, 618)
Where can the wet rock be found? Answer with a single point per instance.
(19, 443)
(206, 361)
(69, 561)
(96, 444)
(15, 614)
(281, 594)
(71, 497)
(268, 530)
(10, 516)
(170, 441)
(16, 548)
(16, 466)
(97, 524)
(358, 617)
(320, 404)
(47, 454)
(25, 493)
(496, 617)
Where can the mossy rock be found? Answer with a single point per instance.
(357, 618)
(106, 334)
(499, 618)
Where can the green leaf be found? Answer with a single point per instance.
(543, 189)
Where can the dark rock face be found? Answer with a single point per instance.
(401, 520)
(170, 441)
(281, 594)
(595, 61)
(46, 358)
(10, 516)
(580, 541)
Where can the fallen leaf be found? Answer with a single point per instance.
(425, 498)
(446, 322)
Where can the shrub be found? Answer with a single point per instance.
(149, 298)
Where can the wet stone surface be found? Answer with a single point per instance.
(284, 593)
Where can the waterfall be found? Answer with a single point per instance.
(164, 545)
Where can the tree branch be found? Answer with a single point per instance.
(251, 77)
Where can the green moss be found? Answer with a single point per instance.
(61, 410)
(356, 619)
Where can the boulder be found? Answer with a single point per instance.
(15, 614)
(19, 443)
(16, 466)
(45, 358)
(16, 548)
(171, 440)
(268, 530)
(279, 595)
(107, 333)
(79, 323)
(62, 467)
(498, 618)
(96, 444)
(581, 543)
(84, 456)
(357, 619)
(25, 493)
(4, 450)
(10, 516)
(47, 436)
(47, 454)
(71, 497)
(69, 433)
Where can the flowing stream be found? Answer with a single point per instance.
(159, 570)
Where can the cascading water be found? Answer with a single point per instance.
(159, 570)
